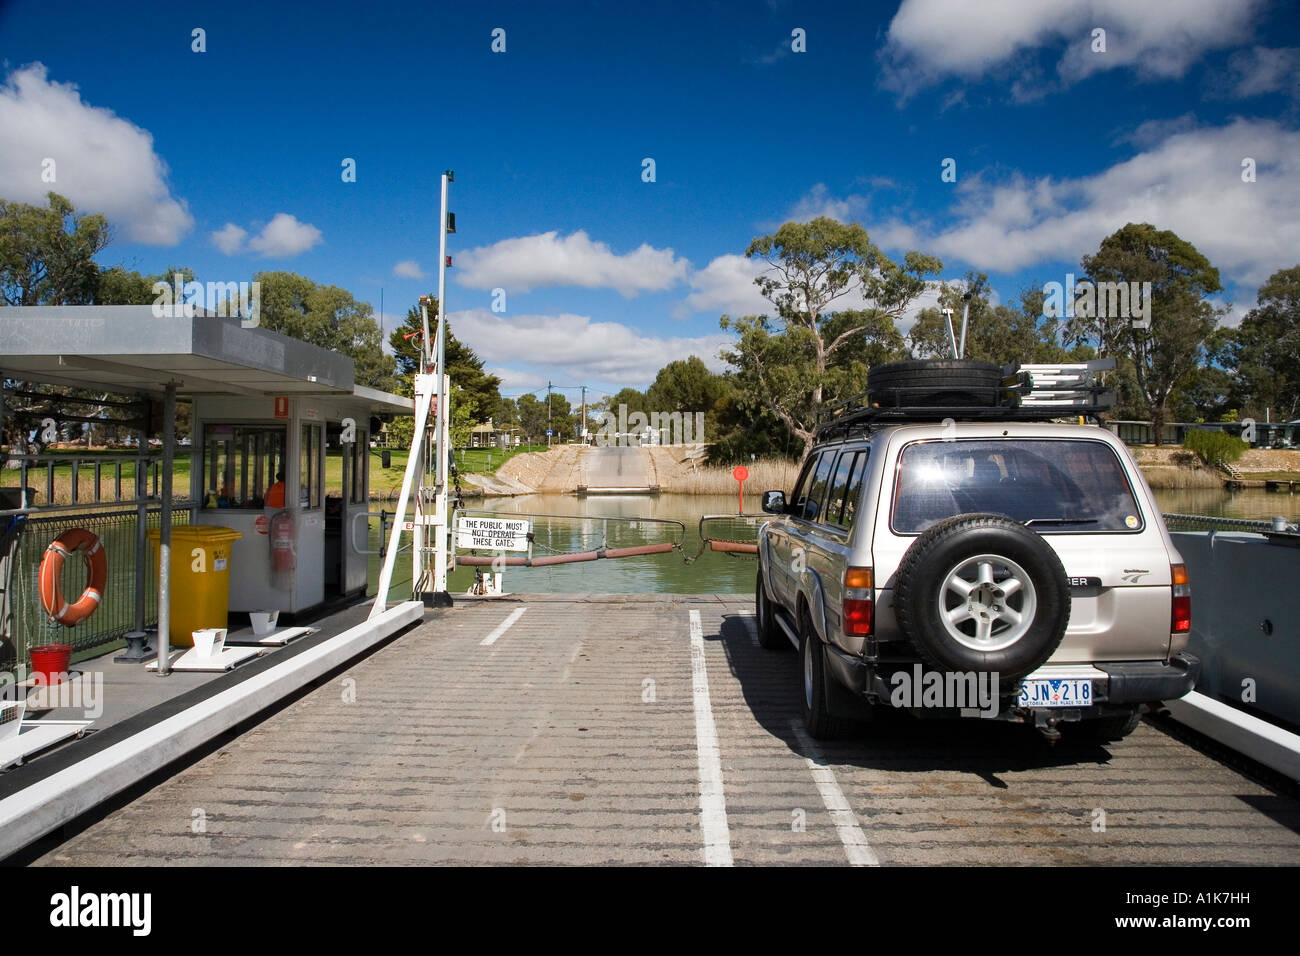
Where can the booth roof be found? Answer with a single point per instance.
(127, 348)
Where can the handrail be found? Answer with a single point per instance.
(724, 545)
(382, 516)
(48, 461)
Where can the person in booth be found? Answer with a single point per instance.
(275, 494)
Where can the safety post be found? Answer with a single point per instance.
(165, 534)
(740, 474)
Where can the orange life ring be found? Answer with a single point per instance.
(92, 552)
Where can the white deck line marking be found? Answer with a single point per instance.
(856, 847)
(504, 626)
(713, 801)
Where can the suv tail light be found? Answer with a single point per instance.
(858, 602)
(1181, 617)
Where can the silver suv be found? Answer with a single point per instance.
(952, 550)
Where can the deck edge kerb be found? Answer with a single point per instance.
(1274, 747)
(35, 811)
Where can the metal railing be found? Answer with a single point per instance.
(63, 479)
(26, 622)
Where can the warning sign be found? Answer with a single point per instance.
(492, 534)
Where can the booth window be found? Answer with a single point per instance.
(240, 463)
(310, 479)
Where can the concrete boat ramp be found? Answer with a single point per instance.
(592, 729)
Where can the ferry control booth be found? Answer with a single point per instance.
(263, 405)
(256, 458)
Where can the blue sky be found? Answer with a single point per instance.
(229, 160)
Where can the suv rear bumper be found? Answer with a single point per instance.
(1114, 683)
(1137, 682)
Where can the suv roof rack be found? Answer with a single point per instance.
(1028, 393)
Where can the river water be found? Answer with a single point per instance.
(712, 572)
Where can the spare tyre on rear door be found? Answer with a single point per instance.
(980, 592)
(937, 382)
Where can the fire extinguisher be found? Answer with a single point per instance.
(284, 548)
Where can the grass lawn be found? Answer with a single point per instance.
(484, 461)
(383, 481)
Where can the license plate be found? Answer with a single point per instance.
(1058, 692)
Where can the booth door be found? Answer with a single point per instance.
(355, 562)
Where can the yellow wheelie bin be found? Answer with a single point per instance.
(200, 578)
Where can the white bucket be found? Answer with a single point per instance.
(209, 641)
(263, 622)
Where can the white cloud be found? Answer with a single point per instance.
(1189, 183)
(515, 379)
(726, 285)
(1236, 311)
(931, 40)
(284, 235)
(583, 348)
(1260, 70)
(819, 202)
(928, 299)
(546, 259)
(103, 163)
(229, 238)
(409, 269)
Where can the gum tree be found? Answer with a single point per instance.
(995, 333)
(47, 253)
(330, 317)
(814, 350)
(1265, 349)
(1167, 355)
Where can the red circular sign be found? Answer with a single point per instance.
(260, 524)
(741, 473)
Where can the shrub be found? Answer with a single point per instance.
(1213, 446)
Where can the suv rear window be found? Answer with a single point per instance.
(1060, 485)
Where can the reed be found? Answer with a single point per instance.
(765, 475)
(1175, 476)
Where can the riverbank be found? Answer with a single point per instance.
(1173, 467)
(680, 469)
(673, 469)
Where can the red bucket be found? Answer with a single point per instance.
(50, 662)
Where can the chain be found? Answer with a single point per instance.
(458, 499)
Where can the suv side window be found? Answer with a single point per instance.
(848, 479)
(810, 505)
(799, 497)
